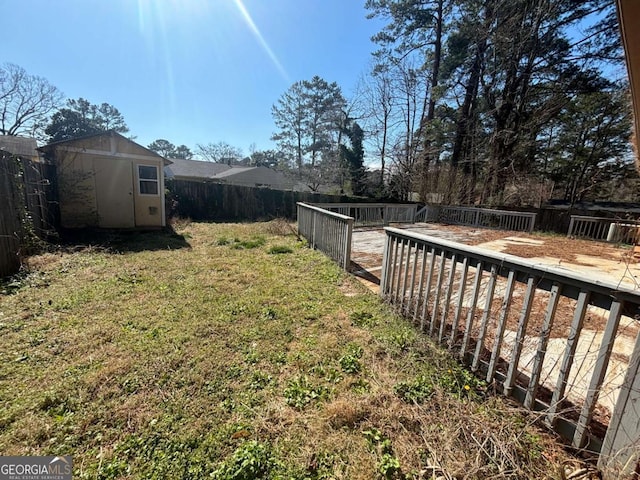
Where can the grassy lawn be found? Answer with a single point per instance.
(238, 353)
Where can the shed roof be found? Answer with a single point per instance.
(108, 133)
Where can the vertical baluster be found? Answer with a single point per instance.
(569, 353)
(599, 371)
(413, 277)
(393, 267)
(427, 291)
(436, 300)
(523, 321)
(406, 274)
(472, 309)
(461, 289)
(502, 321)
(386, 263)
(532, 390)
(421, 295)
(621, 441)
(403, 244)
(447, 300)
(485, 317)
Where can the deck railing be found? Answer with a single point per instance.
(605, 229)
(428, 214)
(374, 214)
(327, 231)
(487, 217)
(559, 343)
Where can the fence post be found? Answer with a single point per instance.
(570, 232)
(620, 454)
(313, 229)
(384, 274)
(385, 215)
(347, 243)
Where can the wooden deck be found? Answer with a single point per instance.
(368, 245)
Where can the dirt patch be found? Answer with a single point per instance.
(567, 249)
(367, 260)
(476, 236)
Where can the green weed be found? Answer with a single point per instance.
(350, 362)
(251, 461)
(279, 249)
(417, 391)
(254, 242)
(300, 392)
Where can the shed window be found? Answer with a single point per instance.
(148, 179)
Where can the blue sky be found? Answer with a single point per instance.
(189, 71)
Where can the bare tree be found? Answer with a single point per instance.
(220, 152)
(26, 101)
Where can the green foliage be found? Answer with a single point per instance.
(251, 461)
(460, 382)
(378, 441)
(279, 249)
(353, 156)
(260, 380)
(305, 116)
(350, 362)
(456, 380)
(498, 124)
(399, 339)
(169, 150)
(300, 392)
(417, 391)
(321, 466)
(82, 118)
(388, 465)
(589, 155)
(248, 244)
(362, 319)
(360, 386)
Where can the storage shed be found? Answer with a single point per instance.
(108, 181)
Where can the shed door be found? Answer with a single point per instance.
(114, 193)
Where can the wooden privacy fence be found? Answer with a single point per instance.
(607, 229)
(374, 214)
(219, 202)
(327, 231)
(28, 206)
(11, 216)
(560, 344)
(487, 217)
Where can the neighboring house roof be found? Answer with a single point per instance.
(110, 133)
(236, 171)
(230, 174)
(194, 169)
(20, 146)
